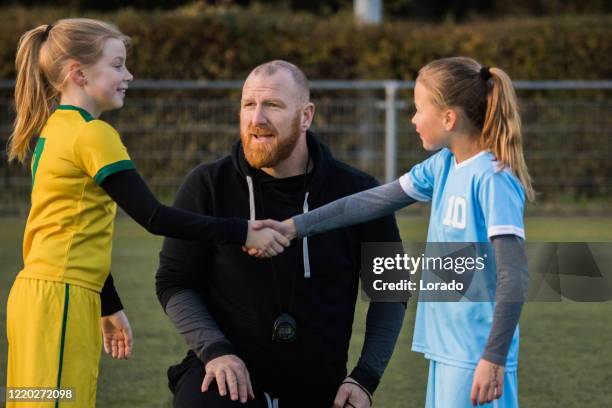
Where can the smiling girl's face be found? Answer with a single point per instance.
(107, 80)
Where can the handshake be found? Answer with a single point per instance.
(268, 238)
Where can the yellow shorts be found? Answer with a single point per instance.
(54, 341)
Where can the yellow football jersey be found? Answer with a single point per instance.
(68, 235)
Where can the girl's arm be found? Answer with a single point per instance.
(132, 194)
(354, 209)
(109, 298)
(512, 282)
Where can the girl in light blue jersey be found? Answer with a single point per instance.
(477, 184)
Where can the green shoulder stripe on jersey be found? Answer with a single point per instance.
(40, 145)
(113, 168)
(63, 339)
(86, 115)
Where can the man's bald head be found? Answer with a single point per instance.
(275, 114)
(300, 80)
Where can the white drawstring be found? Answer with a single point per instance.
(272, 402)
(268, 400)
(305, 244)
(251, 198)
(306, 256)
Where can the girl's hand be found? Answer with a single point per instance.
(117, 335)
(488, 382)
(286, 228)
(350, 395)
(264, 241)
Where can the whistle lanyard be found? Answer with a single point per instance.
(285, 318)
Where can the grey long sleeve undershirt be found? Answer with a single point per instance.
(512, 274)
(511, 289)
(383, 325)
(192, 319)
(354, 209)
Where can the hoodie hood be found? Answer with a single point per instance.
(321, 158)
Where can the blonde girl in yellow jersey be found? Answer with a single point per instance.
(68, 74)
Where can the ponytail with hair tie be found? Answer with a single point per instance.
(41, 64)
(47, 30)
(489, 103)
(485, 73)
(501, 131)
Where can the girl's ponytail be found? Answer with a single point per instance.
(501, 132)
(43, 56)
(488, 100)
(34, 95)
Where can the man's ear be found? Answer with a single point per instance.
(76, 74)
(307, 116)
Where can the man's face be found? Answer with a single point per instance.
(270, 118)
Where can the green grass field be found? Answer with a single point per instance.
(566, 348)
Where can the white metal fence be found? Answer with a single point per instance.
(171, 126)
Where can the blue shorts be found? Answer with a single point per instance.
(450, 387)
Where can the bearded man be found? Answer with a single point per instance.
(274, 332)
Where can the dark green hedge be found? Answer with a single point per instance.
(227, 44)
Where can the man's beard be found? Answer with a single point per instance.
(260, 155)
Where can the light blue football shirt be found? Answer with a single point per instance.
(470, 202)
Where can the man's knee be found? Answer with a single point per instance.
(185, 381)
(194, 398)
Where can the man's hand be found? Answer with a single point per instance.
(266, 241)
(488, 382)
(230, 372)
(117, 335)
(285, 228)
(351, 395)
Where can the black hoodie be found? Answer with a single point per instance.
(245, 295)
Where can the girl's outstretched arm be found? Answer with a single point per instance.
(132, 194)
(350, 210)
